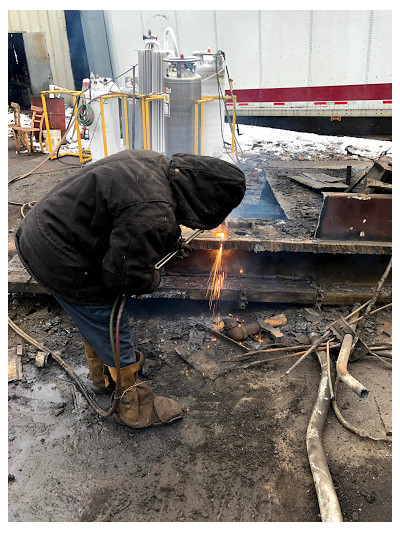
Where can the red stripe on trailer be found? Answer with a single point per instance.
(328, 93)
(387, 102)
(278, 103)
(319, 103)
(241, 104)
(338, 103)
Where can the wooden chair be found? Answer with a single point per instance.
(25, 134)
(17, 115)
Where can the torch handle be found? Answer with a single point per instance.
(169, 256)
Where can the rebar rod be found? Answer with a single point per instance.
(324, 337)
(372, 302)
(328, 362)
(317, 343)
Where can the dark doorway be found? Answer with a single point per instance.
(19, 85)
(77, 48)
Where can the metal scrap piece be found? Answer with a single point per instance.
(14, 365)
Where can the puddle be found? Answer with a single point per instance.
(46, 392)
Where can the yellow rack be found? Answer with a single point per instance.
(200, 102)
(83, 158)
(146, 116)
(84, 155)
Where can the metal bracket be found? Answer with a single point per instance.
(340, 328)
(243, 300)
(319, 294)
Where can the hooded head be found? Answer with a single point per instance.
(206, 189)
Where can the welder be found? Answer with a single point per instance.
(100, 233)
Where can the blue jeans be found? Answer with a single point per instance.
(93, 323)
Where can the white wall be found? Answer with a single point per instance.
(269, 48)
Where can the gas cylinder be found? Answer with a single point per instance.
(211, 71)
(182, 87)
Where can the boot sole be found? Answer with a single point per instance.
(102, 391)
(118, 420)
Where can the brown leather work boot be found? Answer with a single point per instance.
(139, 407)
(101, 383)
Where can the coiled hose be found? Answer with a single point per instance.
(85, 115)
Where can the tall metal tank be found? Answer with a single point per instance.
(150, 63)
(182, 87)
(129, 89)
(211, 70)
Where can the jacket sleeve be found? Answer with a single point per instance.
(136, 245)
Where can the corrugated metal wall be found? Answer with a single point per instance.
(52, 24)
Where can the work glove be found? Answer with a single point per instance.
(183, 250)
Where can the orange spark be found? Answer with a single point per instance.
(216, 279)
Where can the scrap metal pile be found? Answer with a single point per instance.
(341, 343)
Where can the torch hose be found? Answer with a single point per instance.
(115, 347)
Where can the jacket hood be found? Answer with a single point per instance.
(206, 189)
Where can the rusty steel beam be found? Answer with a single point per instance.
(356, 217)
(317, 245)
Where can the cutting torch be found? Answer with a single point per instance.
(169, 256)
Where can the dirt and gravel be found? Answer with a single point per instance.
(238, 454)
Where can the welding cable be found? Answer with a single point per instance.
(220, 52)
(68, 369)
(24, 206)
(115, 347)
(239, 163)
(55, 152)
(44, 161)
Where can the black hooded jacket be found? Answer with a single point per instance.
(100, 232)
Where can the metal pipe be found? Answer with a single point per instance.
(201, 129)
(103, 125)
(314, 346)
(350, 427)
(46, 119)
(143, 124)
(78, 131)
(325, 336)
(169, 256)
(125, 99)
(327, 499)
(147, 123)
(343, 373)
(196, 128)
(233, 122)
